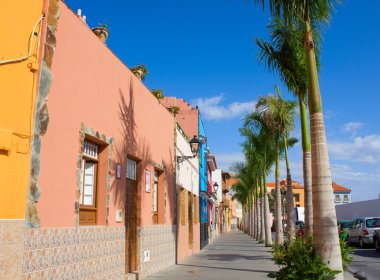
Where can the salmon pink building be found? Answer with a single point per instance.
(107, 167)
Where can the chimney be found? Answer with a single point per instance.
(79, 14)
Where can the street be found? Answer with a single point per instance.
(367, 260)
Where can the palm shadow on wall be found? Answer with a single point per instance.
(129, 145)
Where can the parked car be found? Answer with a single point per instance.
(361, 231)
(376, 239)
(343, 226)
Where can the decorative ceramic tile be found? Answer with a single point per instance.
(74, 253)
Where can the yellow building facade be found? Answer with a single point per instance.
(21, 23)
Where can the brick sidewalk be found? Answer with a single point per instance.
(232, 256)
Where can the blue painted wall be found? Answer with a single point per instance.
(202, 170)
(341, 195)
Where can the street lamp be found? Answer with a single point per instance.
(194, 145)
(216, 187)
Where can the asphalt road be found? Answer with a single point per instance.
(367, 260)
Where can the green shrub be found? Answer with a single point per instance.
(298, 260)
(346, 252)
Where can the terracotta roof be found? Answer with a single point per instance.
(283, 184)
(339, 188)
(336, 187)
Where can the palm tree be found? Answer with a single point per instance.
(243, 190)
(259, 140)
(324, 219)
(279, 115)
(285, 56)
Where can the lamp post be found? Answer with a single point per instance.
(194, 145)
(216, 187)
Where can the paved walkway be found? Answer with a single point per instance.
(232, 256)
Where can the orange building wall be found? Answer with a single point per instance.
(91, 85)
(18, 89)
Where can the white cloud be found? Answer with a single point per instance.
(212, 109)
(352, 127)
(226, 160)
(360, 149)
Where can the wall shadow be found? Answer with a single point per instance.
(129, 146)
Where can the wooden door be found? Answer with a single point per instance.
(130, 227)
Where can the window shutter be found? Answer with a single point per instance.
(183, 206)
(196, 209)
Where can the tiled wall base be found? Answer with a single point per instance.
(11, 249)
(74, 253)
(160, 241)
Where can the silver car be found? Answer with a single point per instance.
(361, 231)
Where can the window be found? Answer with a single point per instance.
(88, 190)
(297, 197)
(155, 189)
(156, 197)
(373, 223)
(337, 198)
(131, 169)
(345, 198)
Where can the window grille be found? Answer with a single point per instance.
(90, 149)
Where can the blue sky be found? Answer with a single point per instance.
(204, 52)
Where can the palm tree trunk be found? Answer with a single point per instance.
(249, 217)
(289, 194)
(268, 233)
(258, 207)
(278, 216)
(258, 216)
(253, 215)
(306, 167)
(262, 226)
(324, 219)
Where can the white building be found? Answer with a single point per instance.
(187, 181)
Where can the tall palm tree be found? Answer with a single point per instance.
(279, 115)
(243, 188)
(324, 219)
(261, 145)
(285, 56)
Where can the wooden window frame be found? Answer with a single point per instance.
(345, 198)
(337, 198)
(83, 208)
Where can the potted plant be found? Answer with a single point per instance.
(140, 71)
(101, 32)
(174, 110)
(158, 93)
